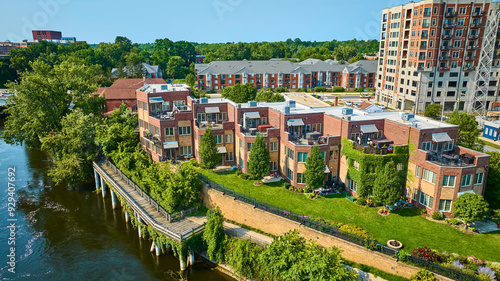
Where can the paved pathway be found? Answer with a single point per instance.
(487, 147)
(243, 233)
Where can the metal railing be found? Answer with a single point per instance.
(322, 226)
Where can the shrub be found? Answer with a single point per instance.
(453, 221)
(238, 173)
(358, 90)
(337, 89)
(437, 216)
(308, 189)
(402, 256)
(421, 211)
(427, 254)
(193, 162)
(245, 176)
(281, 90)
(320, 89)
(288, 185)
(472, 229)
(423, 275)
(371, 245)
(361, 201)
(486, 273)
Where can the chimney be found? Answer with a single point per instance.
(336, 101)
(143, 78)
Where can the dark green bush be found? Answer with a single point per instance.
(281, 90)
(238, 173)
(437, 216)
(453, 221)
(245, 176)
(337, 89)
(361, 201)
(288, 185)
(320, 89)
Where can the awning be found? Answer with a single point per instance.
(368, 129)
(295, 122)
(327, 171)
(441, 137)
(156, 100)
(252, 115)
(463, 192)
(212, 110)
(221, 149)
(173, 144)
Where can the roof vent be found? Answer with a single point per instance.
(291, 103)
(252, 104)
(286, 109)
(203, 100)
(346, 111)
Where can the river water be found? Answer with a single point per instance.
(70, 232)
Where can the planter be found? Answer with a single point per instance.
(394, 244)
(384, 214)
(257, 183)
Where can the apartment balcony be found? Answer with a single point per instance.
(426, 25)
(478, 14)
(497, 56)
(446, 47)
(450, 159)
(468, 68)
(407, 37)
(444, 69)
(474, 36)
(448, 36)
(162, 116)
(368, 149)
(154, 139)
(450, 14)
(404, 56)
(427, 14)
(208, 124)
(444, 58)
(424, 36)
(449, 25)
(476, 47)
(476, 25)
(421, 57)
(424, 69)
(423, 47)
(317, 140)
(471, 58)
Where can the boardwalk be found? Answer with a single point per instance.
(145, 208)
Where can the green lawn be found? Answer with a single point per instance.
(403, 225)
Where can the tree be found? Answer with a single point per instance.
(470, 207)
(190, 80)
(214, 235)
(176, 68)
(269, 96)
(44, 96)
(117, 129)
(357, 58)
(492, 192)
(240, 93)
(133, 68)
(315, 169)
(468, 131)
(433, 110)
(387, 186)
(73, 148)
(344, 53)
(240, 255)
(259, 163)
(208, 150)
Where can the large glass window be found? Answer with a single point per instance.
(479, 178)
(300, 178)
(444, 205)
(184, 130)
(273, 146)
(289, 174)
(274, 165)
(426, 146)
(417, 171)
(302, 157)
(426, 200)
(229, 138)
(353, 185)
(186, 150)
(429, 176)
(169, 132)
(218, 139)
(230, 156)
(466, 179)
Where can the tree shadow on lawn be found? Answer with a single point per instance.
(405, 213)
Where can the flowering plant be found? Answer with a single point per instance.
(427, 254)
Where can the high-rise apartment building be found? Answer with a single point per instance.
(430, 51)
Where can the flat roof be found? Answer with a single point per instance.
(160, 88)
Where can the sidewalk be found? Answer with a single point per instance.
(490, 148)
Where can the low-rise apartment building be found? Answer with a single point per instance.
(353, 143)
(276, 73)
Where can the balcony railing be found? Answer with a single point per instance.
(448, 36)
(470, 58)
(473, 47)
(451, 14)
(447, 47)
(424, 36)
(421, 57)
(476, 25)
(444, 58)
(424, 69)
(449, 25)
(423, 47)
(155, 139)
(207, 124)
(469, 68)
(444, 69)
(473, 36)
(478, 14)
(367, 149)
(451, 160)
(428, 14)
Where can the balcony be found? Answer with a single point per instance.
(444, 69)
(471, 58)
(451, 14)
(207, 124)
(407, 37)
(444, 57)
(449, 25)
(162, 116)
(154, 139)
(421, 57)
(423, 47)
(450, 160)
(478, 14)
(446, 47)
(448, 36)
(424, 36)
(476, 47)
(473, 36)
(308, 141)
(476, 25)
(469, 68)
(424, 69)
(496, 56)
(428, 14)
(368, 149)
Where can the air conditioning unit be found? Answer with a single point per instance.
(252, 104)
(204, 100)
(347, 111)
(407, 116)
(291, 103)
(286, 109)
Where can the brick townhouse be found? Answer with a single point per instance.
(172, 123)
(276, 73)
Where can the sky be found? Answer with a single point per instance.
(210, 21)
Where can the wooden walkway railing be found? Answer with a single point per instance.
(148, 217)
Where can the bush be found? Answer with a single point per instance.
(281, 90)
(423, 275)
(320, 89)
(361, 201)
(358, 90)
(426, 254)
(472, 229)
(421, 211)
(437, 216)
(194, 162)
(288, 185)
(245, 176)
(402, 256)
(308, 189)
(453, 221)
(337, 89)
(238, 173)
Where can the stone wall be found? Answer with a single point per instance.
(244, 213)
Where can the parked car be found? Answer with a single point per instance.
(348, 103)
(366, 95)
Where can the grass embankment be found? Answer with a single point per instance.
(404, 225)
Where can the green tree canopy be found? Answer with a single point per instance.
(208, 150)
(176, 68)
(190, 80)
(344, 53)
(44, 96)
(214, 236)
(387, 187)
(240, 93)
(433, 110)
(492, 192)
(468, 131)
(259, 162)
(269, 96)
(117, 129)
(315, 168)
(470, 207)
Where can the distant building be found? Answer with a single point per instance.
(491, 130)
(275, 73)
(46, 35)
(200, 59)
(370, 107)
(124, 91)
(149, 71)
(5, 47)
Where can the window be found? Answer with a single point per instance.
(169, 132)
(186, 150)
(334, 154)
(222, 116)
(184, 130)
(449, 180)
(289, 153)
(355, 164)
(300, 178)
(165, 106)
(448, 146)
(429, 176)
(302, 157)
(179, 103)
(426, 200)
(273, 146)
(241, 144)
(249, 146)
(289, 174)
(444, 205)
(218, 139)
(400, 166)
(229, 138)
(202, 117)
(354, 136)
(353, 185)
(316, 127)
(274, 165)
(322, 153)
(417, 171)
(466, 179)
(479, 178)
(230, 156)
(426, 146)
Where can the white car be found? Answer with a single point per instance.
(348, 103)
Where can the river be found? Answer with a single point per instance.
(71, 233)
